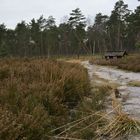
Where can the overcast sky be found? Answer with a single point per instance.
(13, 11)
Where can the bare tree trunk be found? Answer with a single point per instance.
(94, 46)
(104, 45)
(118, 39)
(41, 46)
(48, 55)
(99, 46)
(110, 41)
(78, 51)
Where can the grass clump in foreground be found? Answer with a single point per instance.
(130, 63)
(36, 96)
(121, 126)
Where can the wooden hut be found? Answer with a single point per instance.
(115, 54)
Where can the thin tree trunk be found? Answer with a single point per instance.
(118, 39)
(110, 41)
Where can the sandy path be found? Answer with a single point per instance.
(131, 105)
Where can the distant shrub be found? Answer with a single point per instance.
(130, 63)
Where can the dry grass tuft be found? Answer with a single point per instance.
(121, 125)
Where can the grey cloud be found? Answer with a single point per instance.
(13, 11)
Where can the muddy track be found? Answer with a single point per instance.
(130, 95)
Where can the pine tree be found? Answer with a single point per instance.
(78, 24)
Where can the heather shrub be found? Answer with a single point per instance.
(36, 96)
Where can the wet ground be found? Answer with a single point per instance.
(131, 105)
(131, 102)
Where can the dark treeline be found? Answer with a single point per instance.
(41, 37)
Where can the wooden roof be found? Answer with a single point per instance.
(115, 53)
